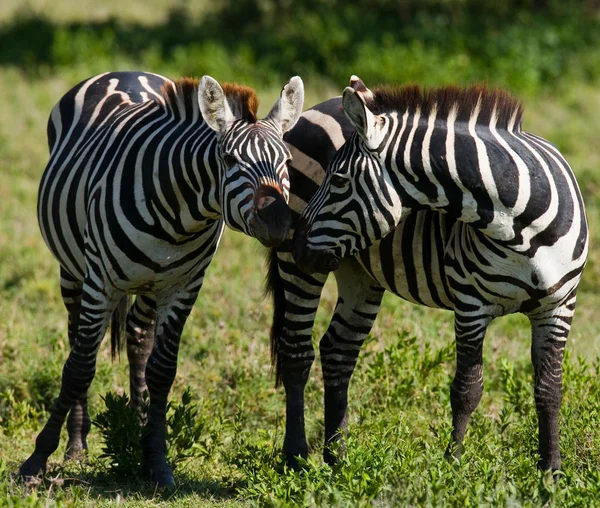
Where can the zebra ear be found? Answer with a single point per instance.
(360, 87)
(213, 105)
(353, 102)
(286, 111)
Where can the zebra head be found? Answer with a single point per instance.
(356, 204)
(254, 186)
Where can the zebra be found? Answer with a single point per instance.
(439, 197)
(143, 174)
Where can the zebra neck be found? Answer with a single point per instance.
(184, 106)
(185, 184)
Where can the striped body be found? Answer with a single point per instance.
(429, 211)
(143, 174)
(111, 188)
(519, 234)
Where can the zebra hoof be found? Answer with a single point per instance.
(32, 468)
(76, 452)
(549, 466)
(162, 476)
(333, 456)
(295, 461)
(453, 452)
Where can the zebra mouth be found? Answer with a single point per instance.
(266, 233)
(312, 260)
(316, 261)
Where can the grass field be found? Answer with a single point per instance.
(400, 408)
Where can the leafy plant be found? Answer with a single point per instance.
(122, 433)
(122, 436)
(188, 432)
(13, 412)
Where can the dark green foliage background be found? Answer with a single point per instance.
(525, 45)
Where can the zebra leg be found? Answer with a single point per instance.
(297, 297)
(467, 387)
(172, 313)
(78, 421)
(141, 321)
(359, 299)
(549, 336)
(78, 372)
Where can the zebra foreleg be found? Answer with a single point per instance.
(141, 322)
(78, 421)
(467, 387)
(549, 336)
(359, 300)
(297, 298)
(172, 313)
(78, 372)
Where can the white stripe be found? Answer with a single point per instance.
(328, 123)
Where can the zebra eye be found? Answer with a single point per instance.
(338, 180)
(230, 160)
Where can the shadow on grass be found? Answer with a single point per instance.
(84, 483)
(106, 486)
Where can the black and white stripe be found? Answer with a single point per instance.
(143, 174)
(446, 204)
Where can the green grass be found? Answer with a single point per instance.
(400, 409)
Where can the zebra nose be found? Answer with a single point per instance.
(263, 202)
(270, 206)
(273, 214)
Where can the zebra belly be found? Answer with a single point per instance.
(431, 260)
(481, 271)
(136, 257)
(164, 269)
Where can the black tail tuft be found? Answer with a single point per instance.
(274, 287)
(117, 326)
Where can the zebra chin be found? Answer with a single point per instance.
(312, 260)
(316, 261)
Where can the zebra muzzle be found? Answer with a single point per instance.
(311, 260)
(272, 218)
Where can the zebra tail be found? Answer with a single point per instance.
(117, 325)
(274, 288)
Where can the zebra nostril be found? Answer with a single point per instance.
(264, 201)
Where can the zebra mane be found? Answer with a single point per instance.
(242, 101)
(410, 98)
(182, 98)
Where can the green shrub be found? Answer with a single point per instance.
(123, 434)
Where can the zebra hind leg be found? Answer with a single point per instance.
(359, 300)
(78, 421)
(141, 321)
(78, 372)
(549, 336)
(467, 387)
